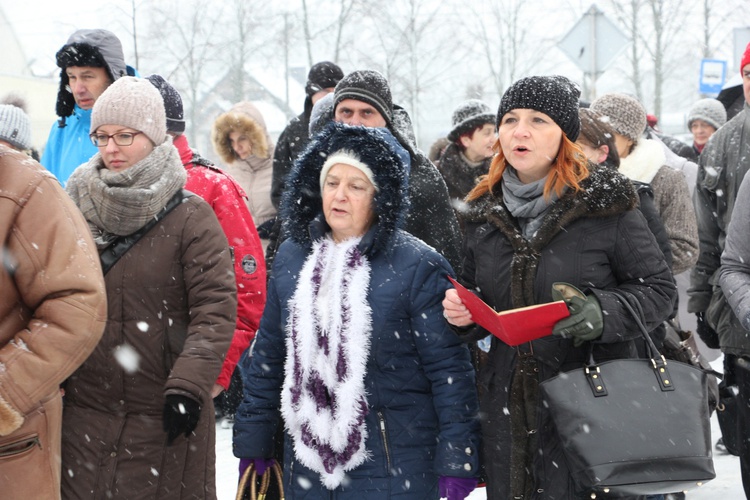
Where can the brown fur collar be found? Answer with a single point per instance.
(604, 193)
(10, 419)
(232, 121)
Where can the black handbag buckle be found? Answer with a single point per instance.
(596, 381)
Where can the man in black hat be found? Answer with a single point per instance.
(321, 80)
(364, 98)
(90, 61)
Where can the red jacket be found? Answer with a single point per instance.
(227, 199)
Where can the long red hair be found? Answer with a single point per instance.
(568, 170)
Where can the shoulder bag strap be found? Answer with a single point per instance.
(114, 251)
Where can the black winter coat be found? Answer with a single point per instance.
(593, 240)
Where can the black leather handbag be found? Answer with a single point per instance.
(633, 426)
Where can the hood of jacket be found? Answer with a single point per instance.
(302, 204)
(245, 118)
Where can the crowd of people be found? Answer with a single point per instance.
(299, 289)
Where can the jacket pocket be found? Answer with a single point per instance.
(17, 449)
(28, 456)
(383, 430)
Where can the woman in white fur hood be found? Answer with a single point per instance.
(644, 160)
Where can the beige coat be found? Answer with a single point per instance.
(52, 314)
(255, 173)
(172, 309)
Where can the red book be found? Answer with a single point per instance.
(514, 326)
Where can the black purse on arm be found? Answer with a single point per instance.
(633, 426)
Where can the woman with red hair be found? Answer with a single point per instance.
(545, 215)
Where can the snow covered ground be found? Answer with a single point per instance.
(726, 486)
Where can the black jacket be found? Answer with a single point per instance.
(593, 240)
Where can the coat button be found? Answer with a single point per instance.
(113, 454)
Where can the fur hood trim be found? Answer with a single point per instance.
(643, 163)
(244, 118)
(302, 202)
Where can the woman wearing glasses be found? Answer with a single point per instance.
(138, 418)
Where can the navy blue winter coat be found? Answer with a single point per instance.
(423, 411)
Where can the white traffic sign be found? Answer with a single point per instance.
(594, 42)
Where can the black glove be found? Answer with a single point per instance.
(586, 321)
(707, 334)
(181, 415)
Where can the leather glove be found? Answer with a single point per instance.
(585, 322)
(181, 415)
(456, 488)
(707, 334)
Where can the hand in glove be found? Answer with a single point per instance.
(707, 334)
(181, 415)
(261, 465)
(456, 488)
(585, 321)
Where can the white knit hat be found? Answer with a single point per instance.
(710, 111)
(134, 103)
(15, 126)
(347, 158)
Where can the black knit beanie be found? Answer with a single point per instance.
(172, 103)
(555, 96)
(321, 76)
(367, 86)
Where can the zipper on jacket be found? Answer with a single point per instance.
(19, 447)
(386, 448)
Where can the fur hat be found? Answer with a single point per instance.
(468, 116)
(97, 48)
(625, 113)
(134, 103)
(745, 58)
(172, 103)
(15, 127)
(708, 110)
(367, 86)
(376, 148)
(555, 96)
(246, 119)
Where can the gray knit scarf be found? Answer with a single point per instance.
(120, 203)
(323, 398)
(526, 201)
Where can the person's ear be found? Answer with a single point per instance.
(603, 153)
(465, 141)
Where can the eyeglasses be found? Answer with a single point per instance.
(120, 138)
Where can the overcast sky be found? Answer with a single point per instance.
(43, 26)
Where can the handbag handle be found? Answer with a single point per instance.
(658, 361)
(251, 476)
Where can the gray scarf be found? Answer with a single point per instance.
(120, 203)
(526, 201)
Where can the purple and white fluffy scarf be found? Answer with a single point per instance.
(323, 400)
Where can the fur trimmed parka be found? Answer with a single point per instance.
(422, 408)
(254, 174)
